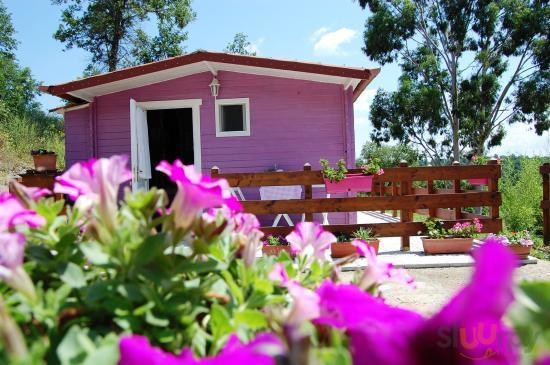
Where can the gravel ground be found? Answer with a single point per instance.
(436, 286)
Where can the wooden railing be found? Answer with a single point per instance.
(395, 192)
(545, 203)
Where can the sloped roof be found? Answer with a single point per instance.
(84, 90)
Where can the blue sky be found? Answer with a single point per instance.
(328, 31)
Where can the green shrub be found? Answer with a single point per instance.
(21, 134)
(521, 187)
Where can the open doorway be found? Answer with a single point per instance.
(170, 138)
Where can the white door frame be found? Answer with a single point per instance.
(194, 104)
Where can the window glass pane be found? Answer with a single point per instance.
(232, 118)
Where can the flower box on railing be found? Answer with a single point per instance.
(483, 181)
(351, 183)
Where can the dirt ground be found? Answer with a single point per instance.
(436, 286)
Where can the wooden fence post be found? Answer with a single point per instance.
(456, 187)
(432, 212)
(405, 214)
(494, 210)
(394, 192)
(308, 194)
(545, 204)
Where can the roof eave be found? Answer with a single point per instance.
(64, 90)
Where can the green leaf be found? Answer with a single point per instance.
(151, 247)
(235, 289)
(220, 322)
(73, 276)
(94, 253)
(250, 318)
(186, 266)
(155, 321)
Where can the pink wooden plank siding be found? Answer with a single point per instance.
(292, 121)
(77, 136)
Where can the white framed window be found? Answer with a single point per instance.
(232, 117)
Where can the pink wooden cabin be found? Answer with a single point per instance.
(240, 113)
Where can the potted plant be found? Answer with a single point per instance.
(458, 239)
(337, 180)
(479, 160)
(273, 245)
(519, 242)
(343, 246)
(44, 160)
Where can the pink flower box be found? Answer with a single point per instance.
(483, 181)
(351, 183)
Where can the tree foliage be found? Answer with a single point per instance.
(240, 45)
(389, 155)
(468, 69)
(112, 30)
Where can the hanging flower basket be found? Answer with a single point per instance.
(479, 182)
(351, 183)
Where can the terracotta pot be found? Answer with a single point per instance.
(521, 251)
(446, 245)
(45, 162)
(483, 181)
(351, 183)
(343, 249)
(275, 250)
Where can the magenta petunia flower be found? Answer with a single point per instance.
(545, 360)
(13, 213)
(247, 232)
(261, 351)
(12, 248)
(95, 183)
(196, 193)
(137, 350)
(468, 329)
(311, 239)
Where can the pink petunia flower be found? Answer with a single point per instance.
(261, 351)
(12, 247)
(305, 304)
(469, 328)
(196, 193)
(248, 234)
(95, 183)
(13, 213)
(311, 239)
(279, 274)
(378, 272)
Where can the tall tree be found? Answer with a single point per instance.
(240, 45)
(111, 30)
(469, 67)
(17, 86)
(8, 44)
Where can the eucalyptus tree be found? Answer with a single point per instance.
(468, 69)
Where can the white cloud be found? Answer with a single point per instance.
(254, 46)
(522, 140)
(330, 43)
(363, 103)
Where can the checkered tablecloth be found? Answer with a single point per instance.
(280, 192)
